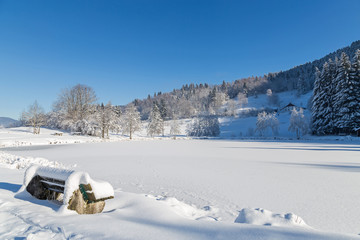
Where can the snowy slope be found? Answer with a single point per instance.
(240, 127)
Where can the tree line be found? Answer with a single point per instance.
(76, 110)
(336, 97)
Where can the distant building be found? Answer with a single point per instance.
(289, 107)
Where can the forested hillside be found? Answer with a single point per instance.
(198, 99)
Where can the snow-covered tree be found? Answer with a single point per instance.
(267, 120)
(75, 105)
(298, 122)
(273, 98)
(131, 120)
(107, 119)
(316, 103)
(301, 86)
(242, 99)
(231, 107)
(174, 127)
(156, 123)
(354, 92)
(34, 116)
(204, 126)
(163, 110)
(322, 110)
(343, 97)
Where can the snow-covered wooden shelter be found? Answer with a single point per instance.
(67, 187)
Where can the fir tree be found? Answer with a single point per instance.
(325, 123)
(301, 87)
(316, 103)
(163, 109)
(342, 97)
(354, 92)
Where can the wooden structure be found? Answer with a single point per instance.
(74, 189)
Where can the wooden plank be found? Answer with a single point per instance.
(54, 180)
(55, 188)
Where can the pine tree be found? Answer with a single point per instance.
(156, 124)
(342, 97)
(325, 120)
(354, 92)
(163, 109)
(316, 103)
(301, 87)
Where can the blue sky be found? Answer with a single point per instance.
(129, 49)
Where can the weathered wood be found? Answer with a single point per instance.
(37, 189)
(54, 180)
(52, 187)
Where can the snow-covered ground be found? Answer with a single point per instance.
(196, 189)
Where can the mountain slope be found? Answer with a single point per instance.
(8, 122)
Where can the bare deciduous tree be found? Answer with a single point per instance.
(34, 116)
(131, 120)
(76, 103)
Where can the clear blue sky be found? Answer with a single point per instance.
(128, 49)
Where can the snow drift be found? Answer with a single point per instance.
(260, 216)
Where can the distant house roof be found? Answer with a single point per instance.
(290, 105)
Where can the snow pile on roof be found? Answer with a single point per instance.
(16, 162)
(259, 216)
(73, 179)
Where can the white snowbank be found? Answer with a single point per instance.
(17, 162)
(72, 180)
(182, 209)
(260, 216)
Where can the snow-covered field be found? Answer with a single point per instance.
(194, 189)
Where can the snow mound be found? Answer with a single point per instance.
(73, 179)
(182, 209)
(16, 162)
(259, 216)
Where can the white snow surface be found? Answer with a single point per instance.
(194, 189)
(260, 216)
(18, 162)
(127, 216)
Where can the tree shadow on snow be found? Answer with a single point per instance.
(308, 148)
(340, 167)
(10, 186)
